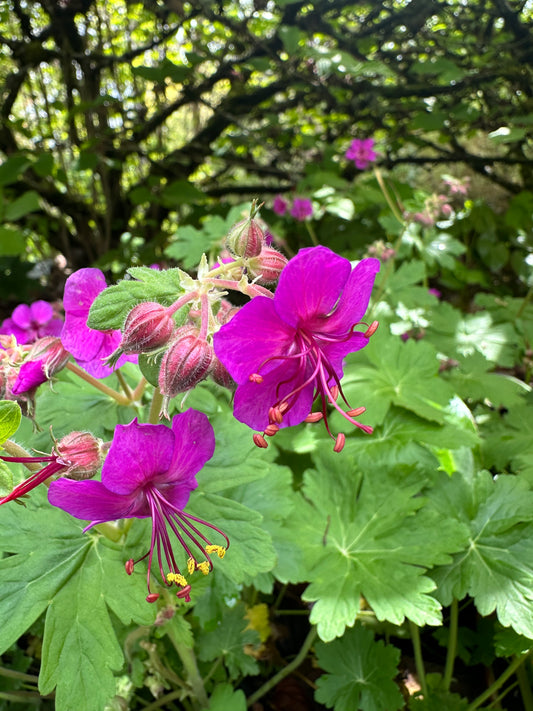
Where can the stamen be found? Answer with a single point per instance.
(371, 329)
(184, 593)
(339, 442)
(191, 565)
(271, 430)
(129, 566)
(358, 411)
(219, 550)
(152, 597)
(275, 416)
(204, 567)
(260, 441)
(314, 417)
(255, 378)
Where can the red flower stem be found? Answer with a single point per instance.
(176, 306)
(15, 450)
(121, 399)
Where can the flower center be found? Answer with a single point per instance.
(198, 548)
(313, 368)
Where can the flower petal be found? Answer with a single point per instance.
(254, 335)
(310, 286)
(91, 500)
(253, 400)
(336, 352)
(21, 316)
(194, 445)
(80, 340)
(140, 454)
(354, 298)
(41, 312)
(81, 289)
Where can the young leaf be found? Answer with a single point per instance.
(224, 697)
(10, 417)
(361, 673)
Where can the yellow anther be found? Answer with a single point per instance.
(191, 566)
(219, 550)
(203, 567)
(180, 580)
(170, 577)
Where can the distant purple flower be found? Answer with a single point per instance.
(28, 323)
(88, 346)
(435, 293)
(361, 151)
(301, 208)
(286, 351)
(279, 205)
(150, 471)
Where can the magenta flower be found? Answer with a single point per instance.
(279, 205)
(150, 471)
(285, 352)
(89, 347)
(361, 151)
(28, 323)
(301, 208)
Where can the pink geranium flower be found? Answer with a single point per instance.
(28, 323)
(301, 209)
(285, 352)
(279, 205)
(89, 347)
(162, 464)
(361, 151)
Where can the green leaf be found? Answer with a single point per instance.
(374, 543)
(496, 565)
(6, 479)
(80, 648)
(224, 697)
(12, 241)
(227, 640)
(12, 168)
(177, 72)
(360, 674)
(10, 416)
(404, 374)
(180, 192)
(111, 306)
(26, 203)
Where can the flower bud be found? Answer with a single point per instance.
(220, 375)
(267, 266)
(81, 453)
(245, 239)
(148, 326)
(50, 352)
(185, 364)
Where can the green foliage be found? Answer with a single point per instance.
(360, 674)
(10, 417)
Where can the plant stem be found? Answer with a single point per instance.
(124, 385)
(164, 700)
(188, 659)
(137, 393)
(155, 407)
(118, 397)
(419, 662)
(527, 299)
(312, 234)
(452, 644)
(387, 196)
(513, 666)
(18, 675)
(298, 659)
(525, 688)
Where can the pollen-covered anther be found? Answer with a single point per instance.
(219, 550)
(260, 441)
(314, 417)
(129, 565)
(152, 597)
(339, 442)
(191, 565)
(255, 378)
(204, 567)
(356, 412)
(371, 329)
(177, 578)
(271, 430)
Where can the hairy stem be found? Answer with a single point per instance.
(300, 657)
(188, 659)
(525, 688)
(120, 399)
(15, 450)
(155, 407)
(452, 644)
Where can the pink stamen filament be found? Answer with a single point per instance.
(35, 479)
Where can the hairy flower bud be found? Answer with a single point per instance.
(81, 453)
(148, 326)
(186, 362)
(50, 352)
(220, 375)
(267, 266)
(246, 238)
